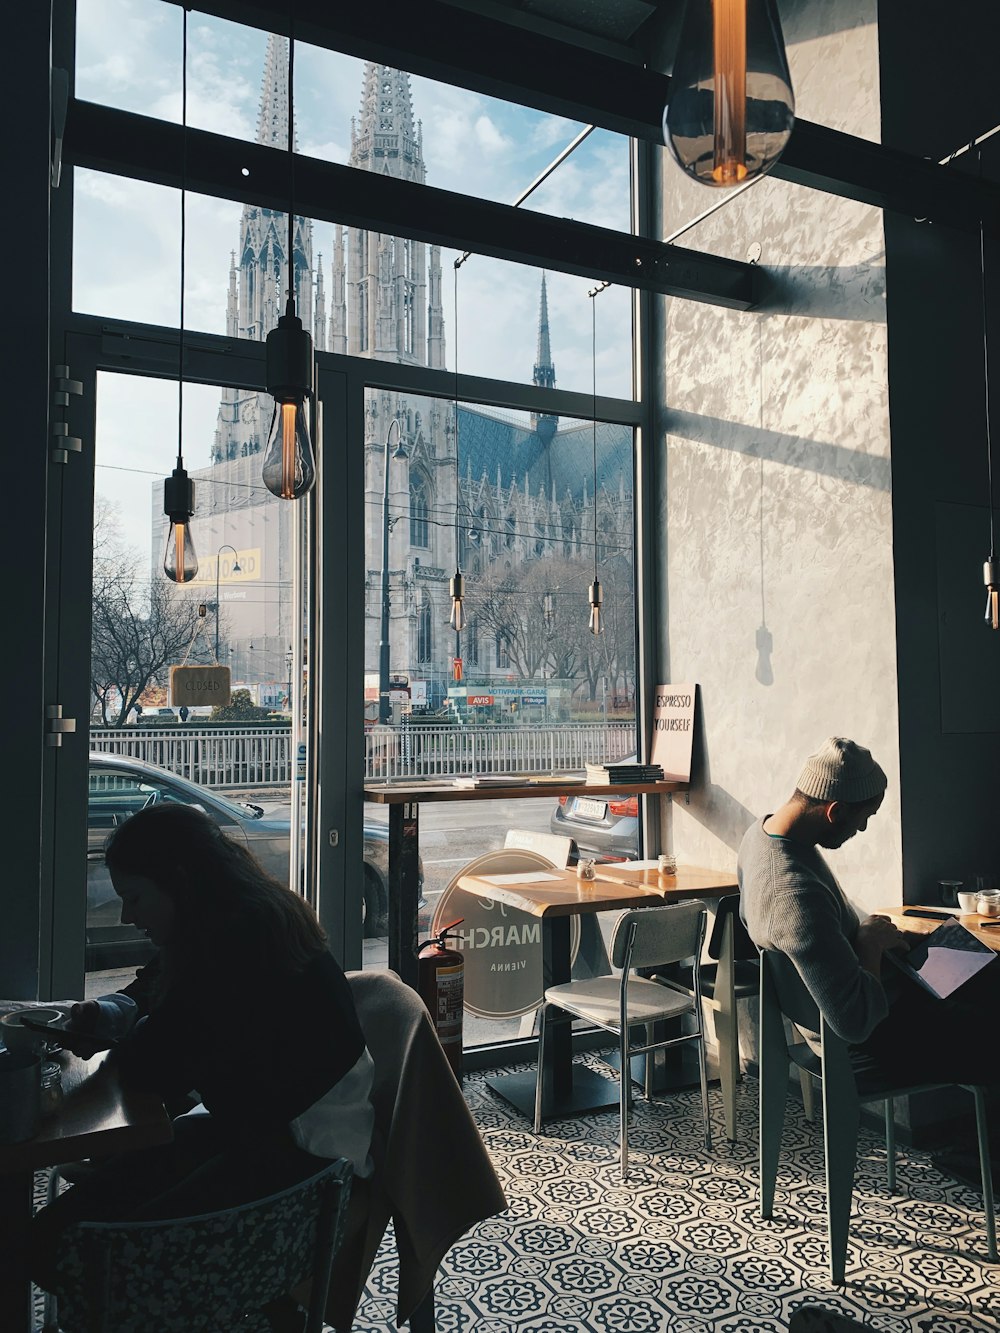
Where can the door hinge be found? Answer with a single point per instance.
(65, 388)
(57, 726)
(64, 443)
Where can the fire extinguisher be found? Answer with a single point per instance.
(441, 984)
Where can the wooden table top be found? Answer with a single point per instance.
(98, 1116)
(561, 893)
(922, 925)
(398, 793)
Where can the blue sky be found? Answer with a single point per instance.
(127, 253)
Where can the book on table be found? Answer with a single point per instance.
(609, 774)
(945, 959)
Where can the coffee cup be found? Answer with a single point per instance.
(18, 1037)
(968, 903)
(948, 892)
(20, 1095)
(989, 902)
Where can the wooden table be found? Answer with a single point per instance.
(922, 925)
(404, 800)
(98, 1117)
(556, 896)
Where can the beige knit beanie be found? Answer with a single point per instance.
(840, 770)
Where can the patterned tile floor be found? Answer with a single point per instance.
(681, 1248)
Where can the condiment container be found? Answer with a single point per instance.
(52, 1092)
(585, 870)
(667, 863)
(989, 902)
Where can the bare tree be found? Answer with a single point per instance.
(141, 626)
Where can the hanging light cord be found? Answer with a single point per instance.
(458, 475)
(291, 165)
(180, 338)
(593, 363)
(986, 378)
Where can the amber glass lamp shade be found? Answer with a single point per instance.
(991, 577)
(289, 468)
(457, 593)
(731, 108)
(180, 560)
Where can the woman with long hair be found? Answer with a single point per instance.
(243, 1012)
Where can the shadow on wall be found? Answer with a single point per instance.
(850, 291)
(712, 806)
(829, 460)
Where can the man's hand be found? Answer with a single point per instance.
(875, 935)
(81, 1038)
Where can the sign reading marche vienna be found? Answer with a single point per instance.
(673, 731)
(199, 686)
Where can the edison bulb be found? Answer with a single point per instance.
(596, 623)
(289, 469)
(731, 109)
(180, 560)
(457, 619)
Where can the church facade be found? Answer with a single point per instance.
(470, 488)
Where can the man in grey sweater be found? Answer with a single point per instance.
(792, 903)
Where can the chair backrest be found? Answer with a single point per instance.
(200, 1274)
(555, 846)
(789, 991)
(743, 946)
(662, 935)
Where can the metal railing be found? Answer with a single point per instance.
(246, 757)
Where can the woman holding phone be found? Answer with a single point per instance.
(244, 1014)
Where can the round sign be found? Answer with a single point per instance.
(502, 946)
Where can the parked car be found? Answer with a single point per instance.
(604, 828)
(119, 786)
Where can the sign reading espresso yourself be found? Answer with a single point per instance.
(199, 686)
(673, 731)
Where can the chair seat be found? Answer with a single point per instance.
(599, 1000)
(746, 978)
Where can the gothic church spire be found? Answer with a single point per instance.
(544, 375)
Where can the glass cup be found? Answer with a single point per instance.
(667, 863)
(585, 870)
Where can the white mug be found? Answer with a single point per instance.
(968, 903)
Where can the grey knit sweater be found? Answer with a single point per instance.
(792, 903)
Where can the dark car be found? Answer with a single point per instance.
(604, 828)
(119, 786)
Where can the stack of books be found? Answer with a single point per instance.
(608, 774)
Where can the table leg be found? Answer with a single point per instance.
(15, 1284)
(567, 1089)
(404, 889)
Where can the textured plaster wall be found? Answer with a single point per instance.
(774, 525)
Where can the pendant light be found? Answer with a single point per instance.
(289, 469)
(991, 567)
(731, 108)
(594, 594)
(180, 560)
(456, 586)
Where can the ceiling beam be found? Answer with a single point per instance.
(140, 147)
(488, 55)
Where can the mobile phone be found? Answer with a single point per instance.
(989, 925)
(926, 911)
(62, 1026)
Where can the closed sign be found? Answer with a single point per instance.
(199, 686)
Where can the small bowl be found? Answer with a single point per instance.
(17, 1037)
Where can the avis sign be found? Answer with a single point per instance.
(199, 686)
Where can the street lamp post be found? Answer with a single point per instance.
(236, 570)
(383, 643)
(288, 663)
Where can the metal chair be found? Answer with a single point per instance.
(843, 1093)
(733, 974)
(648, 938)
(205, 1273)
